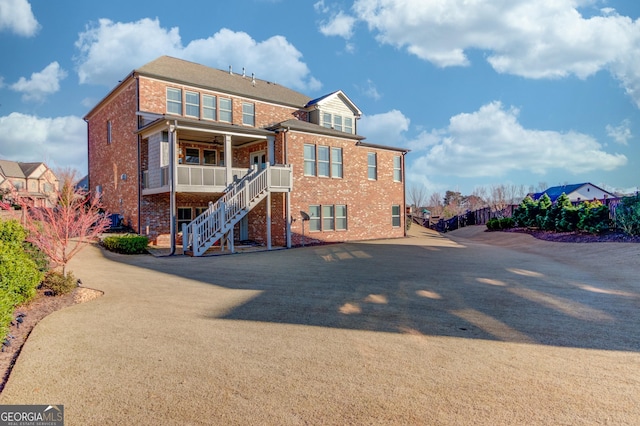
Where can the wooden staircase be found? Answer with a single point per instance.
(218, 220)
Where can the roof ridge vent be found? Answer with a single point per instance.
(243, 74)
(230, 70)
(253, 79)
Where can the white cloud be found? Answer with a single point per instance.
(340, 25)
(108, 51)
(370, 91)
(384, 129)
(17, 17)
(491, 142)
(59, 142)
(529, 38)
(621, 133)
(41, 84)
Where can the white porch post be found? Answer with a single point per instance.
(288, 217)
(268, 220)
(227, 159)
(271, 149)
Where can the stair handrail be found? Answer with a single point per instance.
(219, 214)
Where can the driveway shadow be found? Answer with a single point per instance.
(426, 288)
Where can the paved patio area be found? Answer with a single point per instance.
(462, 328)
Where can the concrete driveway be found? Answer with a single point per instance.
(465, 328)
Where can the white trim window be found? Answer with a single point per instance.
(328, 223)
(184, 216)
(309, 160)
(248, 114)
(192, 156)
(372, 166)
(395, 216)
(226, 110)
(192, 104)
(314, 218)
(341, 217)
(324, 167)
(336, 162)
(348, 125)
(209, 107)
(397, 168)
(174, 101)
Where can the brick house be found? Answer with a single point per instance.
(34, 181)
(194, 155)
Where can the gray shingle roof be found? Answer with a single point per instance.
(181, 71)
(16, 169)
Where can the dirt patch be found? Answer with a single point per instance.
(31, 313)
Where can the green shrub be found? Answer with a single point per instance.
(544, 205)
(628, 215)
(506, 223)
(594, 217)
(554, 213)
(126, 244)
(493, 224)
(19, 278)
(58, 283)
(568, 220)
(526, 214)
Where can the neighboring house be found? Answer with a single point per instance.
(32, 180)
(178, 145)
(577, 193)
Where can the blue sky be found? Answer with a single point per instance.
(514, 92)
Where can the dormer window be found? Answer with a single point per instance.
(337, 122)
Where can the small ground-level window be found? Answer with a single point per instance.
(395, 216)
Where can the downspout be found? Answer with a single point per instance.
(404, 194)
(172, 187)
(288, 195)
(139, 165)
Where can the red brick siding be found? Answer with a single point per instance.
(153, 94)
(368, 202)
(108, 162)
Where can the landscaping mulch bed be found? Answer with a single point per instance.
(34, 311)
(578, 237)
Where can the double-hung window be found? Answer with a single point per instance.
(323, 161)
(248, 114)
(337, 122)
(336, 162)
(341, 217)
(314, 218)
(397, 168)
(109, 128)
(348, 125)
(326, 120)
(192, 104)
(174, 101)
(309, 160)
(395, 216)
(372, 166)
(209, 107)
(226, 110)
(327, 218)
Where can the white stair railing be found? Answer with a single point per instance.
(221, 216)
